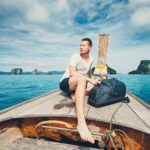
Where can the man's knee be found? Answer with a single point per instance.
(74, 81)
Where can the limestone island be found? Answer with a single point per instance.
(143, 68)
(17, 71)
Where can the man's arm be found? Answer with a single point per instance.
(90, 73)
(73, 72)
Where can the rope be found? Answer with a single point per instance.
(128, 139)
(111, 120)
(109, 133)
(102, 69)
(101, 66)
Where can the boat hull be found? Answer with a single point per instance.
(33, 128)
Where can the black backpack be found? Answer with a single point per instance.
(109, 91)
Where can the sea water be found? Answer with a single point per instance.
(15, 89)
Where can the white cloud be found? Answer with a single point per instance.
(141, 17)
(47, 32)
(139, 3)
(140, 13)
(13, 62)
(62, 5)
(37, 13)
(127, 59)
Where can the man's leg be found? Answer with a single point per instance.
(79, 84)
(74, 85)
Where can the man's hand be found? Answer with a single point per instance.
(93, 81)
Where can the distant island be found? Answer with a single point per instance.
(143, 68)
(19, 71)
(111, 71)
(16, 71)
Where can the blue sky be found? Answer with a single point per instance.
(43, 34)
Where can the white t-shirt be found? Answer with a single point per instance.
(81, 65)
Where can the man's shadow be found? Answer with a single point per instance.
(66, 102)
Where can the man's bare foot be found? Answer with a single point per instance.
(73, 97)
(84, 132)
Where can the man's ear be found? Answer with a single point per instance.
(90, 47)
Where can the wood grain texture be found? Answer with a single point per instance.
(86, 109)
(140, 110)
(34, 144)
(27, 127)
(102, 49)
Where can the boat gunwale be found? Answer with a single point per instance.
(87, 118)
(56, 90)
(27, 101)
(139, 100)
(71, 116)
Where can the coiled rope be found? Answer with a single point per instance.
(109, 134)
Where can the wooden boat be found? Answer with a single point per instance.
(55, 109)
(52, 116)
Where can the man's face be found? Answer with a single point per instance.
(84, 47)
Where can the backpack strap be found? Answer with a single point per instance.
(126, 100)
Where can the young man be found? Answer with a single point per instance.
(74, 83)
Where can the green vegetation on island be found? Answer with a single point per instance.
(110, 70)
(56, 72)
(143, 68)
(17, 71)
(35, 71)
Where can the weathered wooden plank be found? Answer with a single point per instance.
(103, 113)
(142, 111)
(55, 106)
(9, 135)
(86, 109)
(125, 116)
(34, 144)
(102, 48)
(93, 113)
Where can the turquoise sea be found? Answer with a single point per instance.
(16, 89)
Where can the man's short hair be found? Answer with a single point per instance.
(88, 40)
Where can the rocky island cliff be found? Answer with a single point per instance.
(143, 68)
